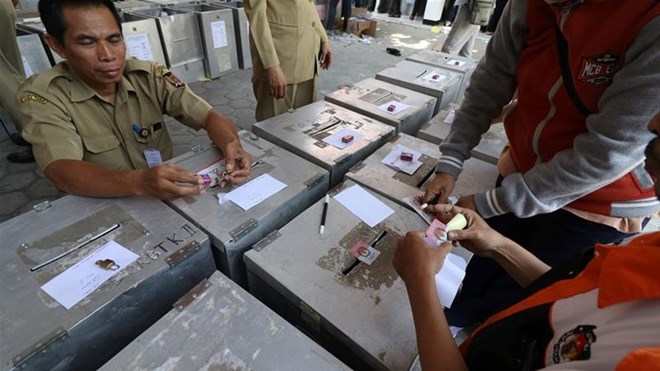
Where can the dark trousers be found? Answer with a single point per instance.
(553, 238)
(495, 17)
(449, 12)
(419, 6)
(332, 14)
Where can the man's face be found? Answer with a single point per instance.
(653, 153)
(93, 46)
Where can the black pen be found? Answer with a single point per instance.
(420, 75)
(325, 212)
(372, 244)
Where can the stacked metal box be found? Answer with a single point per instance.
(462, 65)
(219, 326)
(39, 333)
(440, 83)
(302, 132)
(33, 54)
(366, 96)
(362, 316)
(241, 31)
(233, 230)
(141, 37)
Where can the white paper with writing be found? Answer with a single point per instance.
(219, 32)
(255, 191)
(365, 206)
(393, 159)
(450, 117)
(393, 107)
(335, 139)
(26, 67)
(138, 46)
(75, 283)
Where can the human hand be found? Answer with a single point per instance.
(277, 82)
(326, 54)
(168, 182)
(416, 261)
(467, 202)
(238, 164)
(438, 189)
(478, 236)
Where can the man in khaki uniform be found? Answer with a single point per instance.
(96, 120)
(288, 46)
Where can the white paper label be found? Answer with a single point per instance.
(138, 46)
(219, 32)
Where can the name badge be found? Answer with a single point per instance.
(153, 157)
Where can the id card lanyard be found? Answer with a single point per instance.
(151, 155)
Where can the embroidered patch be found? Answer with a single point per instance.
(598, 70)
(172, 79)
(574, 345)
(33, 97)
(160, 70)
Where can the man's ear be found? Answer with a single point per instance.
(55, 45)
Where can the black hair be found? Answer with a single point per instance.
(51, 15)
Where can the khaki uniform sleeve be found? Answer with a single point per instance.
(48, 128)
(260, 32)
(178, 100)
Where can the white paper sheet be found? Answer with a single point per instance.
(26, 67)
(398, 107)
(365, 206)
(138, 46)
(255, 191)
(434, 76)
(450, 117)
(449, 279)
(219, 32)
(335, 139)
(75, 283)
(393, 160)
(455, 62)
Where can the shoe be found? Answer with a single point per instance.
(23, 157)
(412, 17)
(18, 140)
(394, 52)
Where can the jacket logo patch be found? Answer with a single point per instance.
(598, 70)
(172, 79)
(34, 98)
(575, 345)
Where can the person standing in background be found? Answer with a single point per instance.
(12, 75)
(495, 18)
(288, 46)
(332, 14)
(462, 35)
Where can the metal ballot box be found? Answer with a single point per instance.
(33, 25)
(462, 65)
(181, 40)
(307, 131)
(241, 30)
(380, 100)
(141, 38)
(439, 83)
(477, 175)
(219, 326)
(67, 249)
(488, 149)
(363, 317)
(234, 230)
(217, 26)
(127, 5)
(33, 54)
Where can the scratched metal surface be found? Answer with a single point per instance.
(220, 220)
(367, 310)
(302, 132)
(109, 317)
(413, 76)
(365, 96)
(488, 149)
(224, 328)
(448, 62)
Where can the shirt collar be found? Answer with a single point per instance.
(81, 92)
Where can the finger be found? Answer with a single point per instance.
(429, 196)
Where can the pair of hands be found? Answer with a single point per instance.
(416, 261)
(168, 181)
(277, 80)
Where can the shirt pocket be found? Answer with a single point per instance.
(105, 150)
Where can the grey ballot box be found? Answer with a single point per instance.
(181, 40)
(436, 82)
(234, 230)
(34, 56)
(241, 30)
(32, 25)
(142, 39)
(217, 27)
(477, 176)
(302, 132)
(126, 5)
(38, 333)
(362, 317)
(462, 65)
(367, 95)
(489, 148)
(219, 326)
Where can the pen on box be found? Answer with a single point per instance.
(420, 75)
(325, 212)
(256, 163)
(372, 244)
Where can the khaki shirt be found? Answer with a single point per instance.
(64, 118)
(287, 33)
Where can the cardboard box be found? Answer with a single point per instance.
(360, 26)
